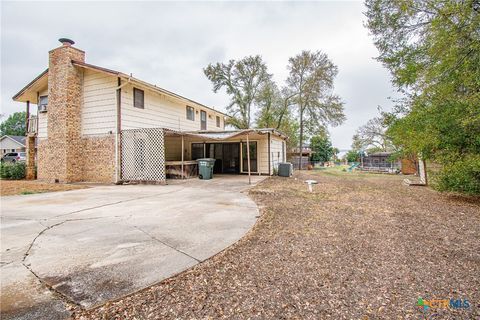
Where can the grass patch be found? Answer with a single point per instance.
(29, 192)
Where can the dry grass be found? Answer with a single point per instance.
(22, 187)
(359, 247)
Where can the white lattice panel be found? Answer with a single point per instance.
(143, 154)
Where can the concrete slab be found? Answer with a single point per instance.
(92, 245)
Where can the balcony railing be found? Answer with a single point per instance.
(32, 125)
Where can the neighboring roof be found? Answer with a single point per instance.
(380, 154)
(227, 134)
(39, 80)
(18, 139)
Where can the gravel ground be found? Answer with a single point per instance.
(358, 247)
(14, 187)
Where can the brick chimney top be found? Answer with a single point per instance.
(66, 42)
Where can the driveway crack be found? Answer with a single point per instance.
(25, 255)
(166, 244)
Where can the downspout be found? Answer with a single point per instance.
(118, 130)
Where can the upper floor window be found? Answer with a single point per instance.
(218, 121)
(190, 113)
(203, 120)
(138, 98)
(42, 101)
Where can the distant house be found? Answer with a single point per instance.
(382, 162)
(294, 156)
(12, 144)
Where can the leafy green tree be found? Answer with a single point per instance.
(310, 81)
(335, 152)
(274, 112)
(322, 149)
(352, 156)
(14, 125)
(432, 49)
(242, 80)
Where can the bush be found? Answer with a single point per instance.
(460, 176)
(12, 171)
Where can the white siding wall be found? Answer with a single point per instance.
(276, 152)
(161, 111)
(99, 109)
(42, 119)
(99, 103)
(173, 148)
(262, 154)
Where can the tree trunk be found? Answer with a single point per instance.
(301, 137)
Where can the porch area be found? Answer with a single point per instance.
(153, 155)
(254, 152)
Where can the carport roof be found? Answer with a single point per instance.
(224, 135)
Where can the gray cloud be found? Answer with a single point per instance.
(169, 43)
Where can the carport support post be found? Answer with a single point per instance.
(248, 160)
(27, 117)
(183, 174)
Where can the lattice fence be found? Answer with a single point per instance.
(143, 155)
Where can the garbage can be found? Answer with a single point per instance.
(285, 169)
(205, 168)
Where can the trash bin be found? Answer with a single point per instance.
(285, 169)
(205, 168)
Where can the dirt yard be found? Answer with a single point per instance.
(359, 247)
(14, 187)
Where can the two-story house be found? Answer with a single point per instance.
(99, 125)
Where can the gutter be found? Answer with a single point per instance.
(118, 129)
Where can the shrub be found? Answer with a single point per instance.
(13, 171)
(460, 176)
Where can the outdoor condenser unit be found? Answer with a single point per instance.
(285, 169)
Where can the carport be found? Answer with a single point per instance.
(249, 151)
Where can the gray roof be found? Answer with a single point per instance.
(380, 154)
(19, 139)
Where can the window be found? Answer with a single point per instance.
(203, 120)
(190, 113)
(218, 122)
(43, 100)
(138, 98)
(42, 103)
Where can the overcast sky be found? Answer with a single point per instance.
(168, 44)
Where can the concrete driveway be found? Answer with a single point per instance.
(88, 246)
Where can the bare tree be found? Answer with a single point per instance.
(243, 81)
(373, 135)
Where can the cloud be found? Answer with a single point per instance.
(169, 44)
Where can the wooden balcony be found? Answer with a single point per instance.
(32, 125)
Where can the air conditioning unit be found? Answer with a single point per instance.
(42, 108)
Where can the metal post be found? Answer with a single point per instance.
(183, 174)
(248, 160)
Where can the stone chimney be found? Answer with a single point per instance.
(62, 153)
